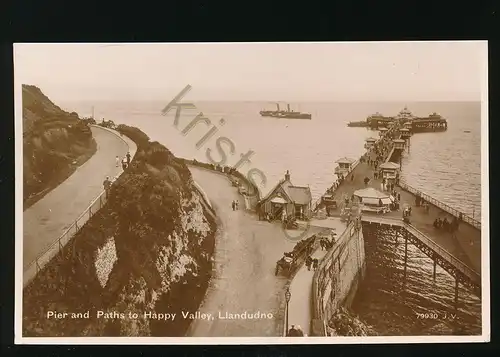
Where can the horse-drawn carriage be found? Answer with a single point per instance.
(290, 223)
(285, 266)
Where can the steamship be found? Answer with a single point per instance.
(284, 114)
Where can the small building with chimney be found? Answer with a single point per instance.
(294, 201)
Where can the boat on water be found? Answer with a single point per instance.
(285, 114)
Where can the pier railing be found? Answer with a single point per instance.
(466, 218)
(32, 268)
(450, 258)
(353, 166)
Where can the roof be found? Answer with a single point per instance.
(399, 140)
(345, 160)
(389, 165)
(370, 193)
(383, 129)
(298, 194)
(404, 129)
(371, 139)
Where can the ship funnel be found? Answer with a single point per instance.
(288, 106)
(278, 106)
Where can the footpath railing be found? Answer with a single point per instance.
(466, 218)
(226, 170)
(32, 268)
(443, 253)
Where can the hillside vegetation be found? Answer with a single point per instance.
(149, 249)
(55, 143)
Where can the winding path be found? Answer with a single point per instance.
(245, 258)
(47, 219)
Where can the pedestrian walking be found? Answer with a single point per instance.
(237, 204)
(315, 263)
(128, 158)
(124, 163)
(233, 204)
(308, 262)
(117, 161)
(107, 185)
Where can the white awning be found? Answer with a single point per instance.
(278, 200)
(370, 201)
(386, 201)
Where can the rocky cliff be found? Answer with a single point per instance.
(147, 252)
(55, 143)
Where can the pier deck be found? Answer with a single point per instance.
(465, 244)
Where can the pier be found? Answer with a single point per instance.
(462, 272)
(459, 253)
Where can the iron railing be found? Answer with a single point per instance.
(32, 268)
(456, 213)
(356, 163)
(443, 253)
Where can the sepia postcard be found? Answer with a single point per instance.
(252, 193)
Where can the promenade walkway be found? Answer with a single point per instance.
(465, 244)
(47, 219)
(300, 306)
(245, 258)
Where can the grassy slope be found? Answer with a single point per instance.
(55, 143)
(147, 213)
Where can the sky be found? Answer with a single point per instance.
(341, 71)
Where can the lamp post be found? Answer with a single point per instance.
(288, 295)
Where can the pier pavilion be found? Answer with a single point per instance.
(382, 131)
(390, 170)
(344, 165)
(405, 133)
(295, 201)
(434, 122)
(370, 142)
(399, 144)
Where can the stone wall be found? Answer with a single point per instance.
(338, 275)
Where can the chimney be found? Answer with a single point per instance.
(288, 107)
(287, 175)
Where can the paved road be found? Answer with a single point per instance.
(245, 259)
(47, 219)
(300, 307)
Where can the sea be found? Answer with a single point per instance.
(445, 165)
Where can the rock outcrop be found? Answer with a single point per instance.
(147, 252)
(55, 143)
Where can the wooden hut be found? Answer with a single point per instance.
(294, 201)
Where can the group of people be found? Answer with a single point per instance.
(295, 331)
(446, 225)
(325, 244)
(312, 262)
(125, 161)
(235, 205)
